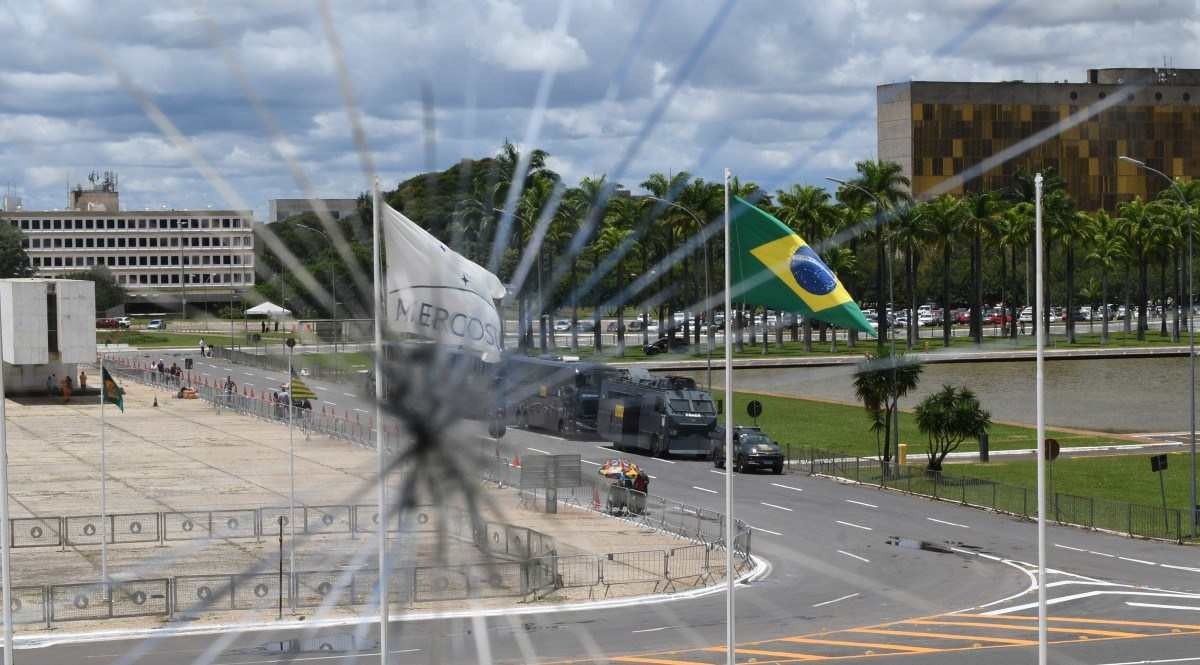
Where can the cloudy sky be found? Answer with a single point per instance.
(781, 91)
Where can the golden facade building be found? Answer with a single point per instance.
(951, 137)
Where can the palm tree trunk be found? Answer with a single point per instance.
(1143, 293)
(1012, 307)
(1128, 318)
(1045, 313)
(807, 334)
(1178, 309)
(1162, 294)
(946, 293)
(977, 286)
(1104, 305)
(620, 322)
(910, 285)
(1004, 294)
(779, 329)
(740, 327)
(645, 325)
(1070, 291)
(574, 307)
(766, 337)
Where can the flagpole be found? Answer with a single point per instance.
(1040, 398)
(291, 477)
(380, 459)
(5, 536)
(103, 490)
(730, 651)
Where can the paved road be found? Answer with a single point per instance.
(836, 589)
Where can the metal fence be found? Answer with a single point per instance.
(1091, 512)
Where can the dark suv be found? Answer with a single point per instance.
(752, 448)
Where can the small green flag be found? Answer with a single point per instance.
(774, 267)
(110, 392)
(299, 390)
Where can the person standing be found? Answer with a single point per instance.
(202, 347)
(82, 381)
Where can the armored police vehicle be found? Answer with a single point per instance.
(558, 394)
(658, 416)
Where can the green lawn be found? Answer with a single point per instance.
(168, 339)
(349, 361)
(1126, 478)
(845, 428)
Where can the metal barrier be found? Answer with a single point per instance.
(1090, 512)
(134, 598)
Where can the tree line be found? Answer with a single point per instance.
(604, 249)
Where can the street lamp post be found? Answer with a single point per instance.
(883, 324)
(707, 285)
(1194, 509)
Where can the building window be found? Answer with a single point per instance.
(24, 224)
(111, 261)
(91, 261)
(24, 243)
(153, 260)
(91, 242)
(90, 224)
(141, 279)
(110, 224)
(195, 223)
(205, 242)
(37, 243)
(112, 242)
(57, 224)
(141, 261)
(58, 262)
(57, 243)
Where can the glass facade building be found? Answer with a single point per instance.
(954, 137)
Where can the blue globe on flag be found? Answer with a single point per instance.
(811, 273)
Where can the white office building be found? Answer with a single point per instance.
(159, 256)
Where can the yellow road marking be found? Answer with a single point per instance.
(1013, 626)
(646, 660)
(1115, 622)
(860, 645)
(775, 654)
(944, 636)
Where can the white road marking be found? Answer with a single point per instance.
(861, 503)
(249, 374)
(856, 526)
(362, 410)
(330, 403)
(758, 528)
(1111, 556)
(319, 387)
(836, 600)
(592, 463)
(771, 505)
(1141, 561)
(350, 395)
(653, 630)
(788, 487)
(961, 526)
(365, 654)
(666, 461)
(704, 490)
(1174, 567)
(1152, 662)
(1089, 594)
(1164, 607)
(1068, 547)
(854, 556)
(719, 473)
(537, 450)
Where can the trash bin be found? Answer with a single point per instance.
(187, 363)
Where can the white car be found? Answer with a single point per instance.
(562, 325)
(156, 324)
(124, 322)
(1026, 315)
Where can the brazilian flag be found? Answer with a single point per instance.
(775, 268)
(110, 392)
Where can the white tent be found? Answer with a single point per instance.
(268, 309)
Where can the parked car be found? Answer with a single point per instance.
(124, 322)
(963, 317)
(107, 323)
(1026, 315)
(664, 345)
(998, 317)
(752, 448)
(156, 324)
(585, 326)
(562, 325)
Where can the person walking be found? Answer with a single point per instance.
(202, 354)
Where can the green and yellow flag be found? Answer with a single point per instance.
(110, 392)
(775, 268)
(299, 390)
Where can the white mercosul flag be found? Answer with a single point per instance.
(437, 293)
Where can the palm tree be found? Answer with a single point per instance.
(842, 261)
(668, 188)
(850, 216)
(1013, 231)
(879, 383)
(1107, 243)
(623, 215)
(910, 231)
(982, 210)
(806, 210)
(1168, 235)
(1137, 225)
(948, 417)
(886, 180)
(946, 216)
